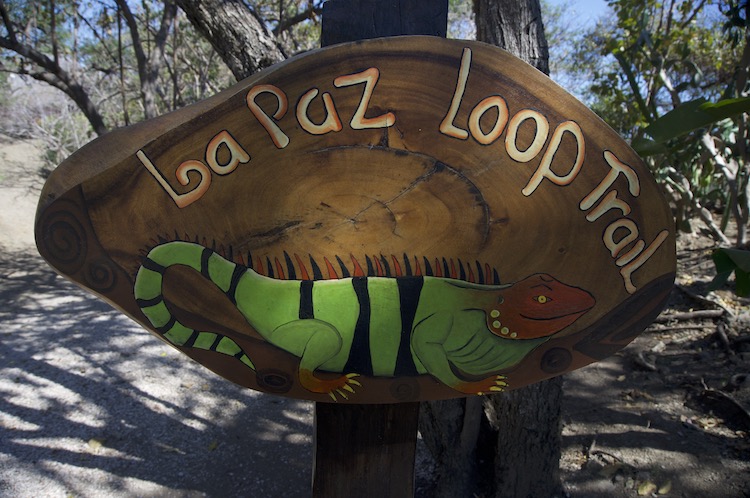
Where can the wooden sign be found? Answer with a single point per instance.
(394, 220)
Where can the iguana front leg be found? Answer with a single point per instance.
(315, 342)
(428, 342)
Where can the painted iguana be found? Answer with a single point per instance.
(373, 326)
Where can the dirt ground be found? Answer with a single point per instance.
(91, 405)
(667, 415)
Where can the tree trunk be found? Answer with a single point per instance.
(236, 33)
(450, 429)
(528, 420)
(149, 65)
(522, 442)
(528, 427)
(515, 26)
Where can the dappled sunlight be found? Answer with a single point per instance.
(86, 393)
(282, 429)
(626, 427)
(48, 395)
(297, 416)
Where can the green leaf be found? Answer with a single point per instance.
(742, 280)
(726, 108)
(694, 115)
(645, 147)
(739, 257)
(728, 261)
(679, 121)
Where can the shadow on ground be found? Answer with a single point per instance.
(92, 405)
(633, 431)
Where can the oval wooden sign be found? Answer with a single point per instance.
(393, 220)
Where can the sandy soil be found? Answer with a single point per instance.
(91, 405)
(19, 190)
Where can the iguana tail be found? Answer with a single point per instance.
(148, 294)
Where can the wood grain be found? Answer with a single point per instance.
(475, 195)
(365, 450)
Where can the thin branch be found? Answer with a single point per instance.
(705, 300)
(682, 184)
(140, 57)
(678, 327)
(53, 33)
(44, 77)
(670, 17)
(134, 34)
(695, 12)
(625, 65)
(730, 169)
(7, 22)
(691, 315)
(286, 24)
(59, 78)
(97, 35)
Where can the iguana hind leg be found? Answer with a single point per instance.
(315, 342)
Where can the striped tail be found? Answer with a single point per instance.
(148, 294)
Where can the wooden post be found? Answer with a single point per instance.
(364, 450)
(368, 450)
(352, 20)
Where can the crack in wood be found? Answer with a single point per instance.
(384, 204)
(274, 233)
(438, 167)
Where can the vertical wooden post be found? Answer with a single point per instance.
(364, 450)
(368, 450)
(352, 20)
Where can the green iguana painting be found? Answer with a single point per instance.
(453, 330)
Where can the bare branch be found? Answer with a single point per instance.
(97, 35)
(286, 24)
(59, 78)
(7, 22)
(53, 33)
(692, 15)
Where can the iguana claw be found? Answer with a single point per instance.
(338, 386)
(490, 385)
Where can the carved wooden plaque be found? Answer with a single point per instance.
(393, 220)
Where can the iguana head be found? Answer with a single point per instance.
(537, 306)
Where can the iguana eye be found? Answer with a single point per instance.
(542, 299)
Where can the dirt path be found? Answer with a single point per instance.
(19, 191)
(668, 414)
(91, 405)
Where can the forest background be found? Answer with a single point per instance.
(670, 76)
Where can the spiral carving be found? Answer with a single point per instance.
(556, 360)
(406, 389)
(100, 275)
(274, 381)
(63, 241)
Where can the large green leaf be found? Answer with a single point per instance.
(726, 108)
(694, 115)
(728, 261)
(646, 147)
